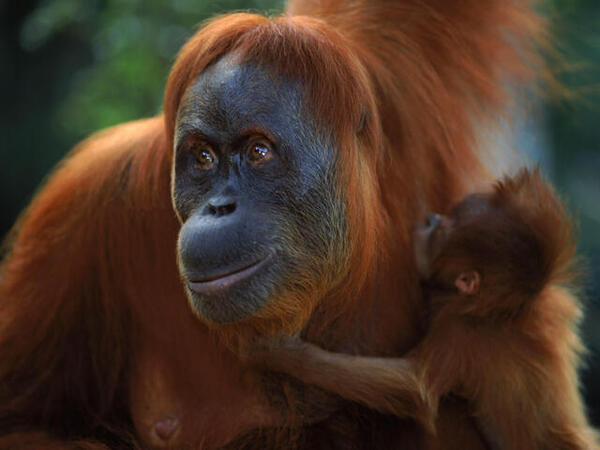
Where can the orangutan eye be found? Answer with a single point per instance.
(260, 152)
(205, 158)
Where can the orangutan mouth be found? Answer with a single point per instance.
(219, 282)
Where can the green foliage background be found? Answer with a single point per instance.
(72, 67)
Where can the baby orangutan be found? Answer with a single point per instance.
(502, 329)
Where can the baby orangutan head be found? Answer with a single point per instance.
(431, 238)
(502, 247)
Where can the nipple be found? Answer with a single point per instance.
(166, 427)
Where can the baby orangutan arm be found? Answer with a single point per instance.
(388, 385)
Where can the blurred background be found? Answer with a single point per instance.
(72, 67)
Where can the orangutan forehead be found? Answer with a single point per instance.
(242, 93)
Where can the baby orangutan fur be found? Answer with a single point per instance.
(502, 329)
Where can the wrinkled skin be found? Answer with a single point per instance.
(254, 189)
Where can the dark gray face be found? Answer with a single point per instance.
(254, 185)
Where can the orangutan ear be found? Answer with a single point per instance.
(468, 283)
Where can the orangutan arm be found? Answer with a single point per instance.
(389, 385)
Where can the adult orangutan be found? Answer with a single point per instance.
(275, 194)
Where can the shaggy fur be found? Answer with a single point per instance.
(97, 340)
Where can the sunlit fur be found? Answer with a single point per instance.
(95, 329)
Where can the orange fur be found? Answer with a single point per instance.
(93, 317)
